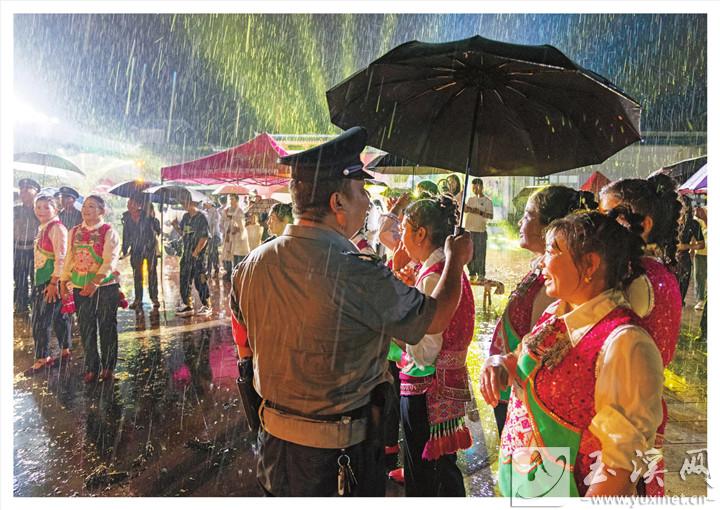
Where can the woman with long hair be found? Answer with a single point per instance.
(529, 299)
(655, 295)
(587, 377)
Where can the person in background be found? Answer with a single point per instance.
(90, 266)
(215, 233)
(478, 210)
(235, 240)
(254, 231)
(691, 239)
(25, 227)
(426, 189)
(280, 217)
(455, 188)
(69, 215)
(50, 249)
(139, 237)
(194, 230)
(701, 261)
(529, 299)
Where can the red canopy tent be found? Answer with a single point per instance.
(253, 162)
(595, 183)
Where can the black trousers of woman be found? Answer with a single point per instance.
(46, 317)
(423, 478)
(685, 265)
(98, 314)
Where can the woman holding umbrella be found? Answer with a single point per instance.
(90, 268)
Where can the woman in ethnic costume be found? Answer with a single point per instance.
(587, 377)
(50, 247)
(529, 299)
(90, 266)
(433, 377)
(655, 295)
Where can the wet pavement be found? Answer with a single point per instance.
(171, 423)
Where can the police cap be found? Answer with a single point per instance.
(28, 183)
(335, 159)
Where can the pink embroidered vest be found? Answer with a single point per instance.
(87, 246)
(567, 393)
(45, 253)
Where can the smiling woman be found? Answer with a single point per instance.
(586, 377)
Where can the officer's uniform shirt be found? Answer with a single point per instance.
(319, 317)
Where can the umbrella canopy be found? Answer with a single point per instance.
(395, 165)
(261, 206)
(231, 189)
(44, 164)
(697, 183)
(174, 194)
(683, 170)
(595, 183)
(255, 160)
(129, 188)
(485, 106)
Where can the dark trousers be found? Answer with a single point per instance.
(192, 270)
(229, 266)
(98, 313)
(214, 254)
(476, 267)
(137, 266)
(24, 277)
(289, 469)
(46, 317)
(500, 412)
(391, 423)
(684, 269)
(439, 477)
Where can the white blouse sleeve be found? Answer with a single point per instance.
(426, 350)
(628, 397)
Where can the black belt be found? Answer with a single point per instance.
(355, 414)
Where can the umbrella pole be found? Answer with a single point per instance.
(459, 229)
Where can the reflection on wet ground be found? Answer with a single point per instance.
(172, 423)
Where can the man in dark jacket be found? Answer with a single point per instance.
(140, 231)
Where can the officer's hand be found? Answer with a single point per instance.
(407, 275)
(459, 249)
(400, 257)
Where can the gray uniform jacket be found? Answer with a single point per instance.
(319, 320)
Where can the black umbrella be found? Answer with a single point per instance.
(487, 108)
(174, 194)
(683, 170)
(395, 165)
(129, 188)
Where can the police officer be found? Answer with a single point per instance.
(69, 215)
(319, 317)
(25, 228)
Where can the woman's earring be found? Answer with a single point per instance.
(587, 279)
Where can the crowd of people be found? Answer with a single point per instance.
(341, 348)
(66, 263)
(576, 360)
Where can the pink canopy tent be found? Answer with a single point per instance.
(697, 183)
(253, 162)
